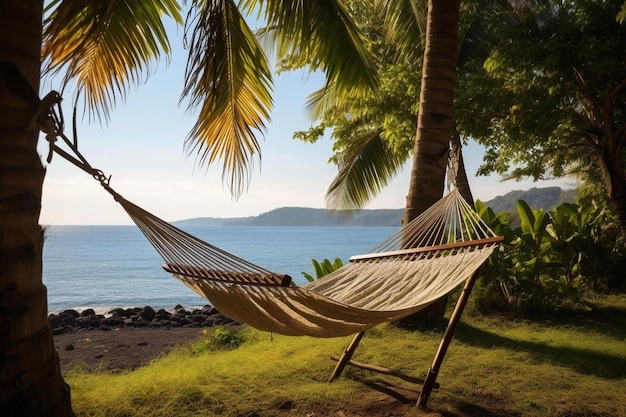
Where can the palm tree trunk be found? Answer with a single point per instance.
(434, 123)
(30, 378)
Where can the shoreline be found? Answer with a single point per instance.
(71, 321)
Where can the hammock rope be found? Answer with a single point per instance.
(425, 260)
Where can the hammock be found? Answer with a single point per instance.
(419, 264)
(423, 261)
(416, 266)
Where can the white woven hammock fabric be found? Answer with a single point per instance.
(422, 262)
(352, 299)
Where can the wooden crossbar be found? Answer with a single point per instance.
(386, 371)
(434, 248)
(250, 278)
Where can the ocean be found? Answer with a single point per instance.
(103, 267)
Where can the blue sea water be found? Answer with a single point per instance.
(102, 267)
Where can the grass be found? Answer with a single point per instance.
(571, 365)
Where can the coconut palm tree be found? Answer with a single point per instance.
(103, 48)
(375, 137)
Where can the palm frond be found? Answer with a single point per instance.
(321, 35)
(406, 23)
(105, 46)
(320, 101)
(228, 78)
(365, 168)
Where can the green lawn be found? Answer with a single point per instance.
(571, 365)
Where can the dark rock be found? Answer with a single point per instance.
(55, 320)
(114, 320)
(185, 321)
(84, 321)
(73, 313)
(88, 312)
(141, 323)
(208, 310)
(68, 318)
(122, 312)
(178, 317)
(197, 318)
(147, 313)
(70, 347)
(162, 315)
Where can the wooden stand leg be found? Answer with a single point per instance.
(345, 358)
(431, 377)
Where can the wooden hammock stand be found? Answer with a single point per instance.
(430, 381)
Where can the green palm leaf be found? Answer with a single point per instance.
(320, 35)
(366, 167)
(104, 46)
(228, 78)
(406, 22)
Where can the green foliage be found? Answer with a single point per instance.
(621, 16)
(549, 100)
(552, 258)
(220, 338)
(321, 269)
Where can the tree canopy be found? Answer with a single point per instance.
(550, 93)
(550, 98)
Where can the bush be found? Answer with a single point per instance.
(551, 258)
(220, 338)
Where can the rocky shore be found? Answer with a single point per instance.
(69, 321)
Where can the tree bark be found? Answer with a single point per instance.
(615, 183)
(434, 124)
(462, 183)
(30, 377)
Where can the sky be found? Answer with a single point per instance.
(142, 149)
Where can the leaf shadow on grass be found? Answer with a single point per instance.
(580, 360)
(609, 321)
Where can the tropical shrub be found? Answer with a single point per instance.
(321, 269)
(552, 258)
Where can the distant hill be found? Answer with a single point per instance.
(302, 216)
(537, 198)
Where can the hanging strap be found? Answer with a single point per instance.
(49, 119)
